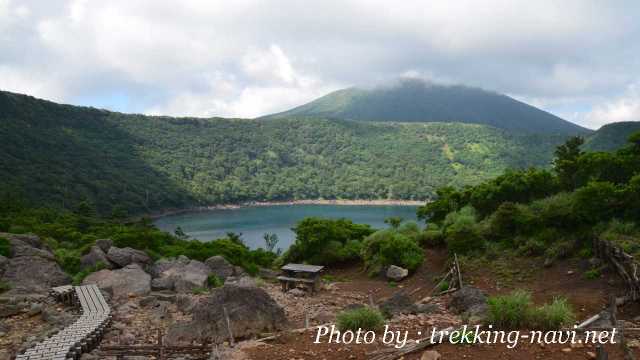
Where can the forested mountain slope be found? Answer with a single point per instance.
(612, 136)
(418, 101)
(61, 155)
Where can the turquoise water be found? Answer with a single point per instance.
(254, 222)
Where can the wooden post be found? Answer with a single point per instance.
(601, 354)
(455, 256)
(306, 319)
(226, 317)
(371, 303)
(160, 345)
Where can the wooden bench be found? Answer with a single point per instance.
(295, 274)
(81, 336)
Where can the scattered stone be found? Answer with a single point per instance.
(591, 355)
(396, 273)
(220, 267)
(123, 282)
(570, 272)
(251, 311)
(34, 309)
(430, 355)
(126, 256)
(398, 304)
(566, 350)
(297, 292)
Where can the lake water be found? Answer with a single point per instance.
(254, 222)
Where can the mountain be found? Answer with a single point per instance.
(418, 101)
(612, 136)
(61, 155)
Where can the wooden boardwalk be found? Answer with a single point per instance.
(81, 336)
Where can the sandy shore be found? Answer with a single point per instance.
(380, 202)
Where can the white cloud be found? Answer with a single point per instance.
(624, 108)
(249, 57)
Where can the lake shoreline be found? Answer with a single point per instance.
(380, 202)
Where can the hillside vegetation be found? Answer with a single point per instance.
(61, 156)
(418, 101)
(545, 213)
(612, 136)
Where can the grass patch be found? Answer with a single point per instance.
(4, 286)
(364, 318)
(517, 311)
(593, 274)
(199, 291)
(80, 275)
(444, 286)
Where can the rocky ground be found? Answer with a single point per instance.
(171, 297)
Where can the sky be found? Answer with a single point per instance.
(244, 58)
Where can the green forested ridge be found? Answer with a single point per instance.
(541, 212)
(412, 100)
(611, 136)
(61, 155)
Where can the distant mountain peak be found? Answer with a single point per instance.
(414, 100)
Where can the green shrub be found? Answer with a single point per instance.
(214, 281)
(592, 274)
(326, 241)
(388, 247)
(364, 318)
(552, 316)
(431, 236)
(444, 286)
(69, 260)
(511, 311)
(80, 275)
(4, 286)
(5, 247)
(462, 233)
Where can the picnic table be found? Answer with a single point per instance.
(294, 274)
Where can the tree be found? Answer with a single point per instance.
(566, 162)
(270, 241)
(180, 234)
(235, 238)
(393, 221)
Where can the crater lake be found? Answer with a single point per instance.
(254, 221)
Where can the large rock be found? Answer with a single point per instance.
(181, 275)
(130, 280)
(470, 301)
(399, 303)
(251, 311)
(29, 274)
(27, 245)
(95, 257)
(396, 273)
(220, 267)
(126, 256)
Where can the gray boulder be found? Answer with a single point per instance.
(469, 301)
(181, 275)
(27, 245)
(251, 311)
(94, 257)
(163, 265)
(126, 256)
(396, 273)
(33, 274)
(121, 283)
(220, 267)
(400, 303)
(104, 244)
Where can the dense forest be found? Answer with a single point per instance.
(61, 156)
(413, 100)
(611, 136)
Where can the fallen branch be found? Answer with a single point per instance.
(392, 354)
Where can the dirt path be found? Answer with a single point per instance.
(565, 278)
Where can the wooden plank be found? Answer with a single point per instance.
(292, 279)
(302, 268)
